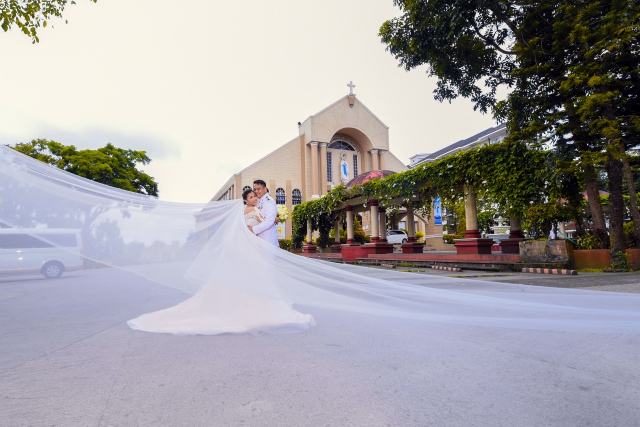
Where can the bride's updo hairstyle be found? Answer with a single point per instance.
(245, 194)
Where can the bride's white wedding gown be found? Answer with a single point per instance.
(222, 309)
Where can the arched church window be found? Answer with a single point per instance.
(281, 197)
(245, 188)
(355, 165)
(296, 197)
(329, 174)
(341, 145)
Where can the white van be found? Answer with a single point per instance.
(48, 251)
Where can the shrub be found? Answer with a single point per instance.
(285, 244)
(325, 225)
(343, 236)
(591, 240)
(420, 236)
(630, 237)
(619, 261)
(586, 241)
(448, 238)
(358, 233)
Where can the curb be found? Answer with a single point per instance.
(550, 271)
(388, 265)
(438, 267)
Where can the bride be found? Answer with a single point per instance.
(219, 309)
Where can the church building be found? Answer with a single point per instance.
(332, 147)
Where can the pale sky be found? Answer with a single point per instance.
(209, 87)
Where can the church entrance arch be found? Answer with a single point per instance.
(347, 155)
(343, 160)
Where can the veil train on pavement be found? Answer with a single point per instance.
(199, 247)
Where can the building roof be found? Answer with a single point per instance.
(456, 146)
(368, 176)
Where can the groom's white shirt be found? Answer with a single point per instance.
(266, 230)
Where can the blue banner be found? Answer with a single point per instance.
(437, 208)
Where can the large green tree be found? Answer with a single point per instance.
(572, 67)
(29, 15)
(109, 165)
(577, 82)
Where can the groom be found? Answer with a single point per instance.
(266, 230)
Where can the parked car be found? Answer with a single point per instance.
(397, 236)
(49, 252)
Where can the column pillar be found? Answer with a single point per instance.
(309, 233)
(323, 168)
(512, 244)
(350, 239)
(411, 230)
(515, 232)
(471, 215)
(375, 231)
(289, 204)
(383, 159)
(472, 243)
(337, 247)
(375, 165)
(383, 225)
(412, 246)
(272, 188)
(314, 170)
(379, 243)
(309, 248)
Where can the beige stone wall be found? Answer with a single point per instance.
(323, 125)
(393, 164)
(280, 169)
(280, 166)
(226, 189)
(367, 163)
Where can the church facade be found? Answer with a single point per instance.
(333, 146)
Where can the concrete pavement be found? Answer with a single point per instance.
(67, 358)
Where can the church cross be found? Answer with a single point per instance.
(351, 86)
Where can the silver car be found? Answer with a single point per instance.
(49, 252)
(397, 236)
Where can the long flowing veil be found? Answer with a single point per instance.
(194, 246)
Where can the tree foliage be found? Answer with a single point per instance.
(109, 165)
(572, 68)
(466, 44)
(29, 15)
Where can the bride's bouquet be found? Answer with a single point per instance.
(283, 213)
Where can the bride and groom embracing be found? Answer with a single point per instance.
(229, 302)
(261, 212)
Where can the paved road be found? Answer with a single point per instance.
(67, 358)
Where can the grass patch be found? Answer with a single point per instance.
(591, 270)
(404, 264)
